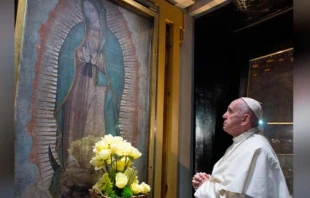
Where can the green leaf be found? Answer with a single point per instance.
(126, 193)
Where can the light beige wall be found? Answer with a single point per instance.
(186, 111)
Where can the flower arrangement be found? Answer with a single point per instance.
(115, 157)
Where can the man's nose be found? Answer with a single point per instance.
(224, 116)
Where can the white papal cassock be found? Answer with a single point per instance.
(249, 168)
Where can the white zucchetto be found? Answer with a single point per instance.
(254, 105)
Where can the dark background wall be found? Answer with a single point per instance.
(222, 50)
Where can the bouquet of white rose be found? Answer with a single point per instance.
(115, 156)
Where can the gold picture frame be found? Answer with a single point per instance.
(30, 177)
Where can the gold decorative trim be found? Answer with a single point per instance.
(18, 35)
(138, 7)
(279, 52)
(279, 123)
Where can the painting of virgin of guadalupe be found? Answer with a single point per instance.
(91, 80)
(90, 76)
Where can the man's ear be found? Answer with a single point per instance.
(246, 119)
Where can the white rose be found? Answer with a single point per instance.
(115, 149)
(108, 139)
(145, 188)
(135, 188)
(121, 180)
(97, 163)
(105, 154)
(99, 146)
(118, 140)
(120, 164)
(135, 153)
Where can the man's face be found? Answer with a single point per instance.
(233, 118)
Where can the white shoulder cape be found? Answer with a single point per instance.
(250, 168)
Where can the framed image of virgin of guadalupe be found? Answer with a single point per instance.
(87, 68)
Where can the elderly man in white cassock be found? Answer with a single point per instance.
(250, 167)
